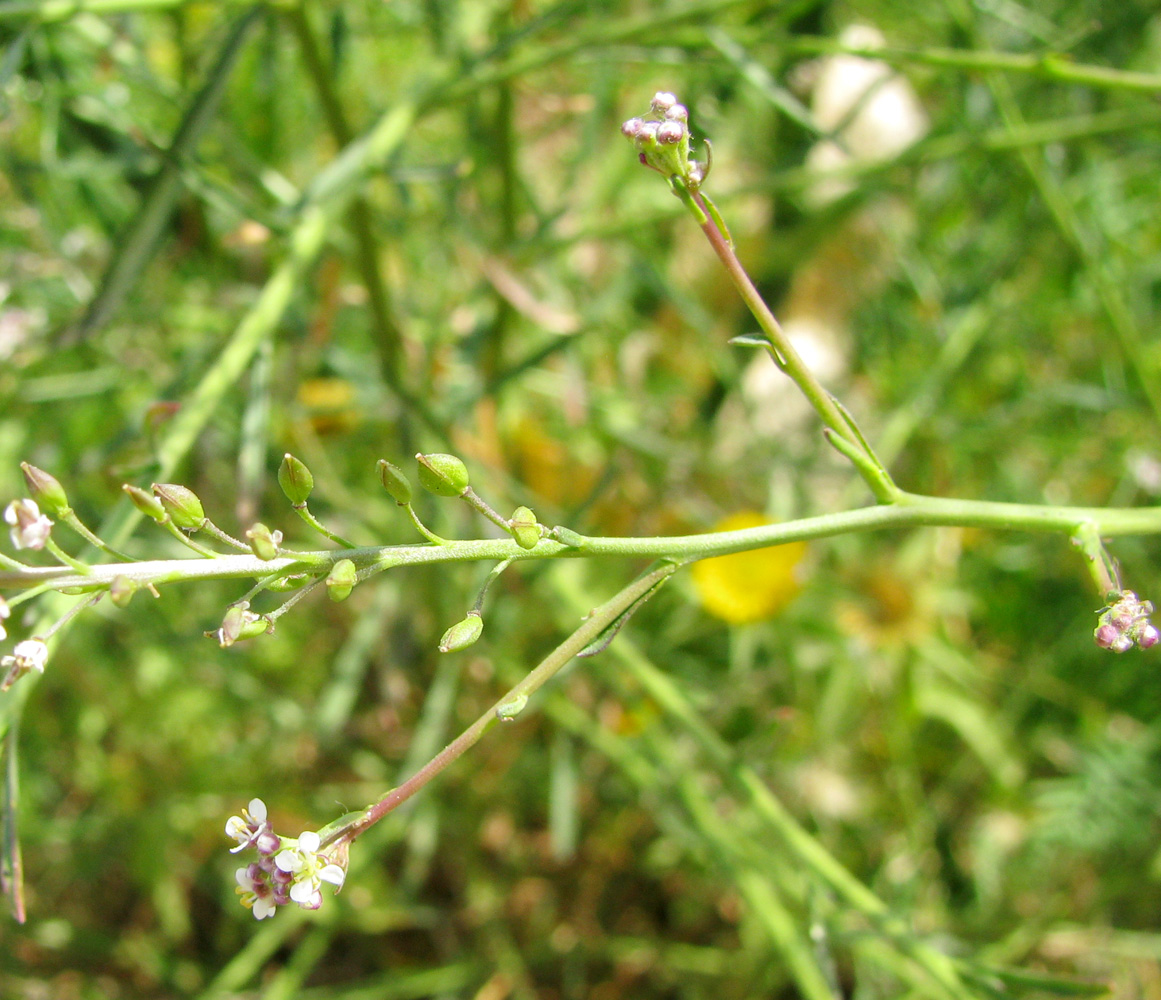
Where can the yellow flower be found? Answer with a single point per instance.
(748, 586)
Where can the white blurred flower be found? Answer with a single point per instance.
(5, 611)
(29, 655)
(30, 528)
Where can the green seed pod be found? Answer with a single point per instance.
(240, 623)
(148, 505)
(121, 591)
(566, 536)
(524, 528)
(511, 708)
(395, 482)
(295, 479)
(46, 491)
(462, 634)
(443, 475)
(264, 542)
(181, 504)
(341, 580)
(286, 583)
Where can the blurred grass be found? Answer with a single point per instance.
(930, 708)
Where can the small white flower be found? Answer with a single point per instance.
(26, 656)
(309, 870)
(30, 528)
(247, 828)
(255, 892)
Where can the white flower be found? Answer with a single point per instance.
(251, 827)
(30, 528)
(255, 891)
(29, 655)
(309, 870)
(5, 611)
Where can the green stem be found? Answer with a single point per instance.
(304, 512)
(787, 358)
(592, 627)
(909, 511)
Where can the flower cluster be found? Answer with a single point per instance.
(30, 528)
(1124, 623)
(662, 140)
(287, 870)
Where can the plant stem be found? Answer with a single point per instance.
(910, 510)
(786, 357)
(592, 627)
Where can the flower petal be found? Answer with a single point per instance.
(333, 874)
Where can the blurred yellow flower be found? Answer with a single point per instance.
(748, 586)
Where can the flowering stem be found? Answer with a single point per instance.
(210, 528)
(64, 557)
(511, 703)
(188, 542)
(785, 356)
(908, 511)
(81, 529)
(304, 512)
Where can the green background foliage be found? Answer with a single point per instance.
(501, 279)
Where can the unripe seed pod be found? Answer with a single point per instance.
(524, 528)
(264, 542)
(121, 591)
(462, 634)
(150, 506)
(46, 491)
(443, 475)
(240, 623)
(341, 580)
(395, 482)
(181, 504)
(295, 479)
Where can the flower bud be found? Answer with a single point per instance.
(630, 128)
(670, 133)
(443, 475)
(663, 101)
(1148, 636)
(462, 634)
(264, 542)
(30, 528)
(46, 491)
(524, 528)
(295, 479)
(677, 113)
(181, 504)
(1105, 636)
(395, 482)
(341, 580)
(144, 502)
